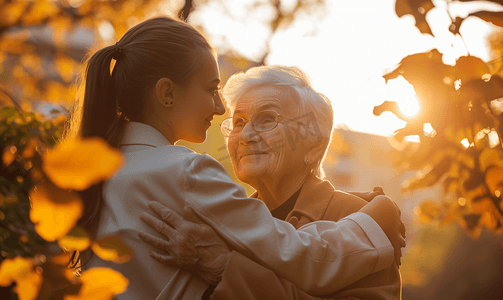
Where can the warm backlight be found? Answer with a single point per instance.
(402, 92)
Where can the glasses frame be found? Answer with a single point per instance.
(278, 116)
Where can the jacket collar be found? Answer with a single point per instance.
(313, 201)
(314, 198)
(142, 134)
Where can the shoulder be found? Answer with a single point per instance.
(343, 204)
(164, 165)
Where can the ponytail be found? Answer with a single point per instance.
(100, 118)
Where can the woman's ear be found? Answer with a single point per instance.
(164, 92)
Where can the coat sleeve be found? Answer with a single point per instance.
(319, 258)
(244, 279)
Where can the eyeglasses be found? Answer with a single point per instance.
(263, 121)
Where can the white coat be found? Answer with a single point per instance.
(319, 258)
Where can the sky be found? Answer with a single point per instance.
(347, 49)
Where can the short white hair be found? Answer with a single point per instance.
(298, 81)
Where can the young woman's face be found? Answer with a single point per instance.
(198, 102)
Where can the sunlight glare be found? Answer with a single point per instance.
(402, 92)
(493, 138)
(428, 130)
(465, 143)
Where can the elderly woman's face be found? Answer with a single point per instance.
(273, 154)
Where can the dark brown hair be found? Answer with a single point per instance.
(115, 85)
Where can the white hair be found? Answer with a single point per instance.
(298, 81)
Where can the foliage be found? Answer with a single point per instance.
(18, 142)
(35, 182)
(462, 103)
(42, 42)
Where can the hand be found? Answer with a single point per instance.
(387, 214)
(368, 196)
(189, 244)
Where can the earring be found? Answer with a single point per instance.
(168, 104)
(306, 160)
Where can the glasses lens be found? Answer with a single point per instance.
(266, 120)
(226, 127)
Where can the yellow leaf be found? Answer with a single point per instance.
(451, 214)
(54, 211)
(489, 157)
(494, 179)
(100, 284)
(76, 240)
(468, 68)
(113, 249)
(78, 164)
(67, 68)
(55, 92)
(61, 26)
(13, 268)
(19, 73)
(428, 211)
(30, 149)
(15, 42)
(9, 154)
(480, 206)
(12, 12)
(30, 61)
(470, 223)
(20, 270)
(488, 211)
(27, 287)
(39, 11)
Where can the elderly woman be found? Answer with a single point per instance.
(277, 138)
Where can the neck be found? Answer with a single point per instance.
(275, 192)
(163, 128)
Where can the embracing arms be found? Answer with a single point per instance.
(333, 254)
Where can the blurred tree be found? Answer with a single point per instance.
(460, 126)
(43, 41)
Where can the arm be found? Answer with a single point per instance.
(332, 252)
(246, 280)
(198, 248)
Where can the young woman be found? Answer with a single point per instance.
(159, 84)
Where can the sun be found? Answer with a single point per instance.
(402, 92)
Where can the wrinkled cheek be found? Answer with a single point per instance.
(253, 166)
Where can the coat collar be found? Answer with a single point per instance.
(137, 133)
(313, 201)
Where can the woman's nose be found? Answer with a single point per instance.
(219, 105)
(248, 134)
